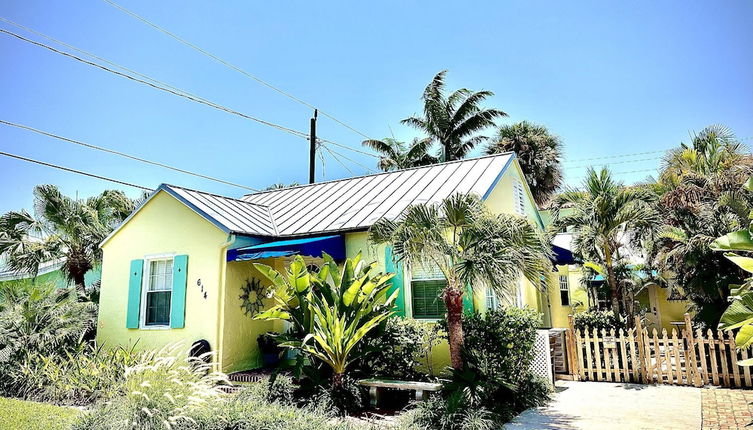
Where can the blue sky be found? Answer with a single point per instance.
(608, 77)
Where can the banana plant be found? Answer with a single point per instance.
(739, 314)
(331, 310)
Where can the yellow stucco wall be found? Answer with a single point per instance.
(560, 313)
(163, 225)
(240, 350)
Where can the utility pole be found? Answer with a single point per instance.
(312, 149)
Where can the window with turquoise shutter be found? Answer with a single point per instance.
(157, 292)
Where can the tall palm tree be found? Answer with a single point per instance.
(61, 228)
(702, 197)
(395, 154)
(454, 121)
(470, 246)
(538, 152)
(606, 217)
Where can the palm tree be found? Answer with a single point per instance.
(470, 246)
(606, 216)
(703, 196)
(61, 228)
(395, 154)
(538, 152)
(454, 121)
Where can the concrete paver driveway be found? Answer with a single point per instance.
(603, 405)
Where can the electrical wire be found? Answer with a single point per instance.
(618, 156)
(159, 87)
(232, 66)
(68, 169)
(338, 160)
(124, 155)
(368, 169)
(611, 163)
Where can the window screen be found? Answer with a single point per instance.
(159, 285)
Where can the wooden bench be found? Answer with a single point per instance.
(422, 389)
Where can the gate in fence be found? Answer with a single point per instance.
(646, 356)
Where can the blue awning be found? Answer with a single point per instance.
(562, 256)
(309, 246)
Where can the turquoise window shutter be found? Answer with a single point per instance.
(134, 294)
(468, 308)
(397, 281)
(178, 300)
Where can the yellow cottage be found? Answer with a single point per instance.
(176, 268)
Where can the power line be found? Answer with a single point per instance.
(620, 173)
(232, 66)
(332, 151)
(122, 154)
(155, 83)
(68, 169)
(617, 156)
(159, 87)
(337, 159)
(612, 163)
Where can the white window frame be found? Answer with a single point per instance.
(565, 282)
(491, 299)
(148, 259)
(518, 197)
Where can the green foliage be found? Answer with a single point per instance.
(396, 155)
(61, 227)
(595, 319)
(538, 153)
(38, 321)
(332, 309)
(703, 197)
(496, 383)
(24, 415)
(602, 214)
(159, 391)
(81, 377)
(500, 342)
(259, 407)
(453, 121)
(399, 349)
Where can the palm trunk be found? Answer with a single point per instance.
(453, 299)
(612, 282)
(337, 380)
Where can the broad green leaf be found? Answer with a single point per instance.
(748, 185)
(744, 337)
(736, 241)
(595, 267)
(745, 263)
(276, 313)
(739, 313)
(748, 362)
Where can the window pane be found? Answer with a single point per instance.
(158, 308)
(426, 300)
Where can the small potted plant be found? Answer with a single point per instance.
(270, 349)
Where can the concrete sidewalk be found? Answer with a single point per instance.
(604, 405)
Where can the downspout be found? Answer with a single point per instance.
(221, 299)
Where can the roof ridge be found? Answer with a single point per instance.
(214, 194)
(377, 174)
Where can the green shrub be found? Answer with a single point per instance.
(501, 341)
(598, 320)
(496, 382)
(159, 391)
(398, 349)
(81, 377)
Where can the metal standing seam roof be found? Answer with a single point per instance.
(356, 203)
(340, 205)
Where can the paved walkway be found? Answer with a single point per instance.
(726, 409)
(604, 405)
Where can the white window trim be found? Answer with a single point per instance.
(145, 286)
(408, 287)
(567, 288)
